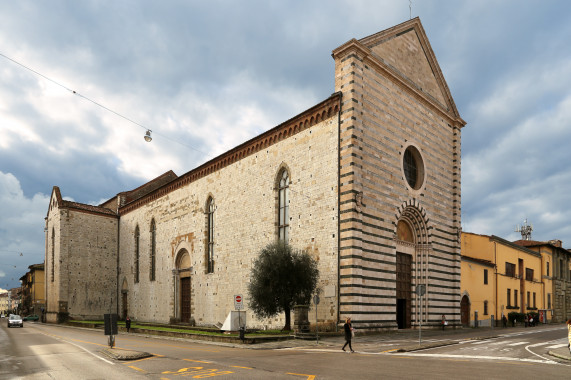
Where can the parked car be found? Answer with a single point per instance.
(32, 317)
(15, 320)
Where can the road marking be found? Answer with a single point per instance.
(237, 366)
(197, 361)
(516, 344)
(137, 369)
(61, 339)
(557, 346)
(495, 358)
(309, 377)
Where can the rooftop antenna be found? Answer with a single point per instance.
(525, 230)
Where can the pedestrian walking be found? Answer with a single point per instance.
(504, 321)
(348, 334)
(444, 322)
(128, 323)
(569, 335)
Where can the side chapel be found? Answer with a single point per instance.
(367, 181)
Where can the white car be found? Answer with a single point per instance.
(15, 320)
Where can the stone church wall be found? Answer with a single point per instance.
(245, 217)
(52, 262)
(85, 264)
(381, 116)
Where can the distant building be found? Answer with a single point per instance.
(367, 181)
(4, 303)
(556, 274)
(15, 299)
(499, 277)
(33, 290)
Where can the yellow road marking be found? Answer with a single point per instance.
(237, 366)
(309, 377)
(197, 361)
(137, 369)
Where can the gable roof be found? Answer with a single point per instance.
(404, 52)
(56, 201)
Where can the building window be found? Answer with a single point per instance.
(485, 307)
(413, 167)
(153, 250)
(561, 269)
(515, 297)
(53, 254)
(528, 299)
(509, 295)
(210, 235)
(137, 254)
(528, 274)
(547, 268)
(510, 270)
(549, 300)
(534, 305)
(283, 201)
(485, 277)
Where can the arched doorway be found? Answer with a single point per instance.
(411, 263)
(124, 299)
(465, 311)
(183, 289)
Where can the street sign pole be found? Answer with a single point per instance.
(420, 290)
(316, 302)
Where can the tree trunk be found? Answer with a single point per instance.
(287, 326)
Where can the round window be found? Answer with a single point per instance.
(413, 167)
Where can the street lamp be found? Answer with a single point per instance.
(148, 137)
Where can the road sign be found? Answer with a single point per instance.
(420, 289)
(238, 302)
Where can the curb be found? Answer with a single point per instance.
(120, 354)
(559, 356)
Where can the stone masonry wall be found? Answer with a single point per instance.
(81, 252)
(90, 265)
(380, 117)
(245, 197)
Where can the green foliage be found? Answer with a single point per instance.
(281, 277)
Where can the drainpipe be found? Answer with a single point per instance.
(496, 277)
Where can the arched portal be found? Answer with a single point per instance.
(465, 311)
(183, 291)
(412, 251)
(124, 299)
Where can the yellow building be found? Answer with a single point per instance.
(33, 290)
(498, 277)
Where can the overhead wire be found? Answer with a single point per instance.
(111, 110)
(96, 102)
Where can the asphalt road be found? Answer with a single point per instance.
(41, 351)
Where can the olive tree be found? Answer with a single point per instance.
(281, 277)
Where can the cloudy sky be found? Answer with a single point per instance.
(205, 76)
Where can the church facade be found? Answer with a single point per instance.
(367, 181)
